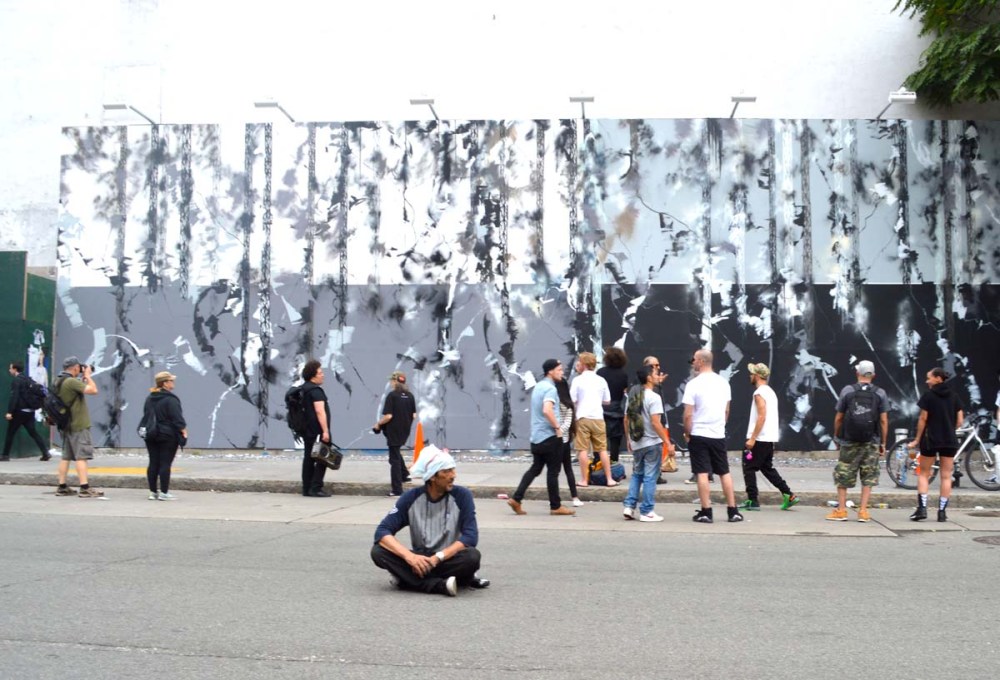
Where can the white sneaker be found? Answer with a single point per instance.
(577, 503)
(167, 497)
(451, 586)
(153, 496)
(628, 513)
(650, 517)
(393, 581)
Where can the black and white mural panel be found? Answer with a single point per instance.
(467, 252)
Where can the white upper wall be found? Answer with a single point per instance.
(204, 61)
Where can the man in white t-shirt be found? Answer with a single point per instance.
(763, 432)
(706, 410)
(589, 393)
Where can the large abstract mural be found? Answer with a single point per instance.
(467, 252)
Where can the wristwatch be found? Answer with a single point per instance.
(440, 555)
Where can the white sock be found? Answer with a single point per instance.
(943, 503)
(923, 500)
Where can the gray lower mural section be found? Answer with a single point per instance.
(449, 341)
(467, 252)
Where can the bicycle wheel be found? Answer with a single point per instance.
(901, 468)
(981, 466)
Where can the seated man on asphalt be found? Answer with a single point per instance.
(443, 531)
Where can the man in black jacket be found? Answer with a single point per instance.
(318, 414)
(18, 414)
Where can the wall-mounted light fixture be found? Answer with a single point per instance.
(128, 107)
(428, 102)
(582, 100)
(900, 96)
(738, 99)
(273, 105)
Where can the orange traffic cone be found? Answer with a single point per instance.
(418, 441)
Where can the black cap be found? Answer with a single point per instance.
(548, 365)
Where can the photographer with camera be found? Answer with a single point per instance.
(72, 385)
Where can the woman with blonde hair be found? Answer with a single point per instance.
(164, 430)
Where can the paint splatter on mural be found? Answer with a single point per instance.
(467, 252)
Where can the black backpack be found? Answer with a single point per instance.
(297, 414)
(149, 425)
(56, 411)
(33, 395)
(861, 414)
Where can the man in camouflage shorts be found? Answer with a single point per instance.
(860, 428)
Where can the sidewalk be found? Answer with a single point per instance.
(486, 475)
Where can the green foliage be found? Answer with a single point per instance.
(962, 64)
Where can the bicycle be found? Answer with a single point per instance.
(980, 460)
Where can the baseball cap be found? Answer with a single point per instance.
(548, 365)
(759, 369)
(865, 368)
(70, 362)
(398, 376)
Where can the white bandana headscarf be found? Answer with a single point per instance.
(432, 460)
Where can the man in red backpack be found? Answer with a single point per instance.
(860, 430)
(19, 413)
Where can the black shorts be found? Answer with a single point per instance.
(939, 452)
(708, 455)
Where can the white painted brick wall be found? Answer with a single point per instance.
(207, 61)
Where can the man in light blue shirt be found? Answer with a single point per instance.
(546, 441)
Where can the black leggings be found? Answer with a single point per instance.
(567, 458)
(161, 457)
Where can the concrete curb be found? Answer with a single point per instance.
(685, 496)
(512, 455)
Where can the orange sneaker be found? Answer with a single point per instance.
(838, 515)
(863, 515)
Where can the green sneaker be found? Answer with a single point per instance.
(749, 505)
(788, 500)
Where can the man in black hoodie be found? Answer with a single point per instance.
(18, 414)
(941, 413)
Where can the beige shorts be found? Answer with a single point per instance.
(77, 446)
(590, 435)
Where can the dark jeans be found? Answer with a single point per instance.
(27, 421)
(549, 455)
(614, 427)
(313, 469)
(567, 463)
(397, 470)
(463, 566)
(161, 457)
(763, 462)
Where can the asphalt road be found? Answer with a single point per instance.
(138, 597)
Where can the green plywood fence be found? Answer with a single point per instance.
(27, 310)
